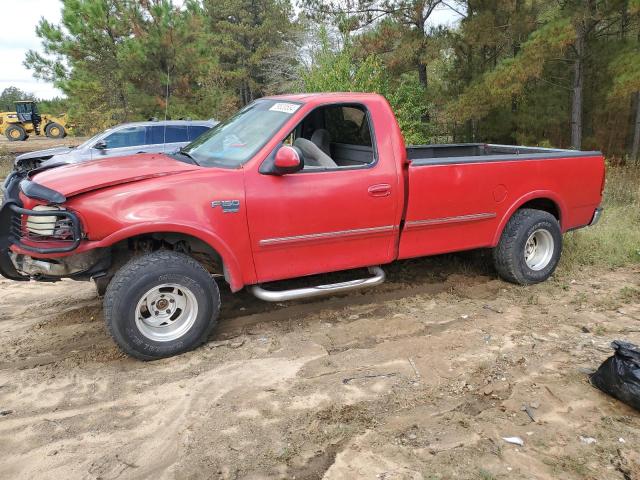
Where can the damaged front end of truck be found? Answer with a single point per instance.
(46, 229)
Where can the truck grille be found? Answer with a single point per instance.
(44, 231)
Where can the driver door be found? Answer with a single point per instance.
(322, 220)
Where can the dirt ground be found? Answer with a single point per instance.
(37, 143)
(420, 378)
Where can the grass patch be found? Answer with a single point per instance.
(565, 464)
(6, 165)
(629, 295)
(615, 241)
(485, 475)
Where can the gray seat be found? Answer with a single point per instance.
(322, 139)
(316, 151)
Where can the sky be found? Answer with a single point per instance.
(18, 35)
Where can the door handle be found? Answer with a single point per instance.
(380, 190)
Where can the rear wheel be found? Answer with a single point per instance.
(161, 304)
(529, 248)
(16, 133)
(54, 130)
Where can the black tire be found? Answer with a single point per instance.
(16, 133)
(509, 256)
(54, 130)
(133, 282)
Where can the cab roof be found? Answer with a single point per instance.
(319, 97)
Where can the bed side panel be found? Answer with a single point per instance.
(463, 206)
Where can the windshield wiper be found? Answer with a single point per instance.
(182, 151)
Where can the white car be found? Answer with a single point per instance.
(126, 139)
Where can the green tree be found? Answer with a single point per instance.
(10, 95)
(249, 37)
(120, 60)
(338, 69)
(568, 47)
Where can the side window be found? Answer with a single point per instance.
(126, 137)
(177, 133)
(159, 134)
(334, 136)
(196, 130)
(348, 125)
(155, 135)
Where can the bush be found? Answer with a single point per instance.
(615, 241)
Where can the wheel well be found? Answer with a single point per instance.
(179, 242)
(543, 204)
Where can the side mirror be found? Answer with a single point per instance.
(101, 145)
(285, 160)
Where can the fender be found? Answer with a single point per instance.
(235, 274)
(229, 259)
(535, 195)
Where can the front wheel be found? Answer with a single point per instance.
(161, 304)
(530, 246)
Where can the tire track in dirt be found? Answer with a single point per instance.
(422, 376)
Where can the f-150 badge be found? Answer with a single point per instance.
(228, 206)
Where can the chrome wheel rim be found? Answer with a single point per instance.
(538, 250)
(166, 312)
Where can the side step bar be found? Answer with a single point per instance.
(295, 294)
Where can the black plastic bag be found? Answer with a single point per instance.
(619, 376)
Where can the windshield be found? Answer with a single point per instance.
(90, 142)
(232, 143)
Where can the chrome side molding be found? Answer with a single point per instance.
(317, 291)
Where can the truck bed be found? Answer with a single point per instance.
(460, 196)
(440, 154)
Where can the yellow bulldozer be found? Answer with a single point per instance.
(17, 126)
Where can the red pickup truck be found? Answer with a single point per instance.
(290, 186)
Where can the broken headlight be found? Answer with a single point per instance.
(57, 227)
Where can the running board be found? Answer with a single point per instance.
(295, 294)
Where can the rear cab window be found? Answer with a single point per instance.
(348, 125)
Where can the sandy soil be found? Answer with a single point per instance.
(417, 379)
(38, 143)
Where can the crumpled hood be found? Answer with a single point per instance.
(44, 153)
(84, 177)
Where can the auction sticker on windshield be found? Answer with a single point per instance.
(284, 107)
